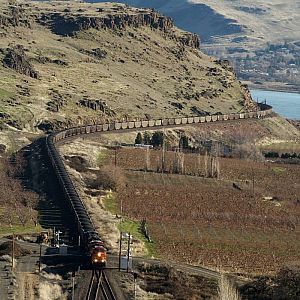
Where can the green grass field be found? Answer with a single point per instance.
(134, 228)
(110, 203)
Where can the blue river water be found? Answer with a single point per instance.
(286, 104)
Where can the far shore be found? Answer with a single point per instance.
(274, 87)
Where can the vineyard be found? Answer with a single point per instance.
(247, 221)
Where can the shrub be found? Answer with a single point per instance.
(147, 138)
(157, 139)
(138, 139)
(272, 154)
(108, 177)
(247, 151)
(184, 142)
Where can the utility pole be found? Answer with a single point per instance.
(13, 252)
(252, 182)
(73, 285)
(135, 275)
(163, 154)
(120, 250)
(147, 159)
(128, 252)
(40, 257)
(116, 155)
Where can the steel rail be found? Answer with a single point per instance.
(94, 287)
(106, 288)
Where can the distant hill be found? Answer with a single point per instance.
(258, 20)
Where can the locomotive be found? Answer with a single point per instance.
(98, 257)
(97, 253)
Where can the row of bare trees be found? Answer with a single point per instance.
(210, 163)
(18, 205)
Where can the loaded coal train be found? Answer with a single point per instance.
(90, 240)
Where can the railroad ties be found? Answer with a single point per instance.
(99, 287)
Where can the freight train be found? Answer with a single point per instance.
(90, 240)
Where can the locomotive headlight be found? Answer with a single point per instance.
(99, 254)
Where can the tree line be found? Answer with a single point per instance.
(158, 139)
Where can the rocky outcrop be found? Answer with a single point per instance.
(15, 15)
(190, 39)
(49, 126)
(65, 24)
(97, 105)
(225, 64)
(44, 60)
(2, 149)
(68, 24)
(199, 112)
(4, 21)
(57, 101)
(16, 59)
(95, 53)
(248, 103)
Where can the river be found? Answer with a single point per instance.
(286, 104)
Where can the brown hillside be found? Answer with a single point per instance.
(69, 63)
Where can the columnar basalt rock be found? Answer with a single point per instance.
(191, 40)
(16, 59)
(15, 15)
(68, 25)
(248, 103)
(97, 105)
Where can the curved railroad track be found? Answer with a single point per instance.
(82, 219)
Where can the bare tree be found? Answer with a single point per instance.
(9, 214)
(108, 177)
(163, 155)
(199, 163)
(31, 201)
(147, 159)
(245, 146)
(212, 162)
(178, 162)
(206, 164)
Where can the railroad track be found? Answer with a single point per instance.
(99, 287)
(81, 217)
(73, 200)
